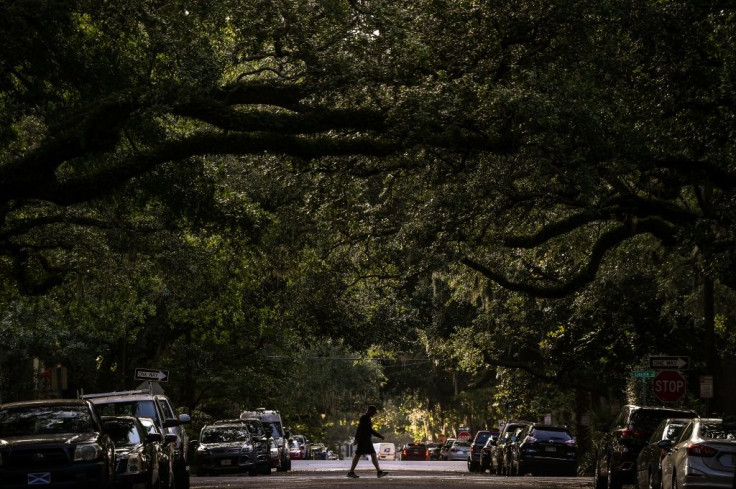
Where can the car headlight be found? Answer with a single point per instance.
(202, 450)
(87, 453)
(246, 449)
(134, 464)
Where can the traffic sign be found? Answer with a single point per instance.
(152, 374)
(669, 385)
(669, 363)
(643, 374)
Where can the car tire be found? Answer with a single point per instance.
(614, 478)
(472, 466)
(598, 481)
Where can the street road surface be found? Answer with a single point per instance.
(313, 474)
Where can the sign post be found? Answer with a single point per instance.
(669, 386)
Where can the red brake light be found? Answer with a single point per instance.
(698, 450)
(627, 433)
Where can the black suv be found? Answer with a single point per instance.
(146, 404)
(541, 448)
(55, 443)
(481, 437)
(615, 463)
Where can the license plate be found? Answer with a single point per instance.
(226, 461)
(39, 478)
(550, 449)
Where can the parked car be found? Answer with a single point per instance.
(274, 425)
(415, 451)
(459, 451)
(704, 456)
(139, 456)
(227, 447)
(446, 448)
(304, 446)
(261, 442)
(166, 463)
(540, 449)
(434, 450)
(295, 449)
(500, 452)
(649, 461)
(144, 403)
(56, 443)
(617, 451)
(487, 451)
(475, 448)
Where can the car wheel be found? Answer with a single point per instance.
(598, 481)
(614, 479)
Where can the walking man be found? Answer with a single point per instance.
(365, 444)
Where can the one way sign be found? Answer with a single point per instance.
(152, 374)
(669, 363)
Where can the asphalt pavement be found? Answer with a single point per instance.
(312, 474)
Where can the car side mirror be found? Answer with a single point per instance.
(153, 437)
(185, 418)
(665, 444)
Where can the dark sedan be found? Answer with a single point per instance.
(54, 443)
(138, 454)
(415, 451)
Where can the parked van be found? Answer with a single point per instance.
(385, 451)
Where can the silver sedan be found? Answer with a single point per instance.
(460, 450)
(703, 457)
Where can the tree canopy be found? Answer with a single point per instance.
(543, 186)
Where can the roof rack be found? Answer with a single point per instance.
(107, 394)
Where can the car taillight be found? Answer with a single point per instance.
(627, 433)
(530, 440)
(698, 450)
(426, 455)
(472, 449)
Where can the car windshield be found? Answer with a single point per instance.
(255, 427)
(273, 428)
(649, 419)
(551, 435)
(716, 431)
(42, 420)
(125, 434)
(481, 438)
(224, 434)
(138, 409)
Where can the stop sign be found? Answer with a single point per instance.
(669, 385)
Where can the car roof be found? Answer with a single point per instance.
(45, 402)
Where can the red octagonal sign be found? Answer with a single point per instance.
(669, 385)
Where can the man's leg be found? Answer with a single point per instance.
(355, 464)
(375, 461)
(356, 457)
(378, 469)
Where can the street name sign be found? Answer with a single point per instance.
(669, 385)
(669, 363)
(152, 374)
(643, 374)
